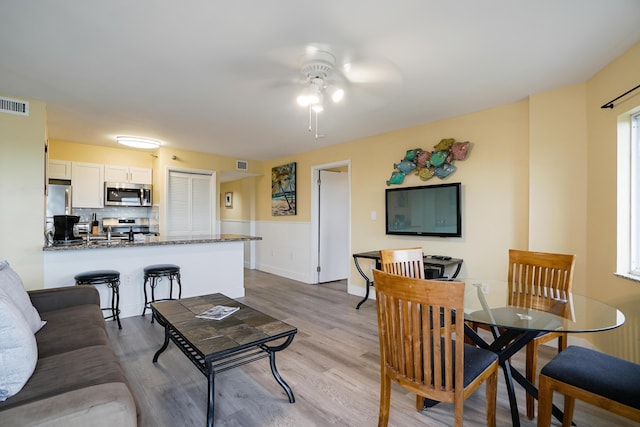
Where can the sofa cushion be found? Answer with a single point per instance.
(71, 328)
(104, 405)
(11, 286)
(65, 372)
(18, 351)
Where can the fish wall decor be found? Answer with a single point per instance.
(427, 164)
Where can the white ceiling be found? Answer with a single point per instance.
(218, 76)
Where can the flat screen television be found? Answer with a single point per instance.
(429, 210)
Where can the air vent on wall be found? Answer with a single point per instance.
(14, 106)
(242, 165)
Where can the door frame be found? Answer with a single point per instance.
(315, 218)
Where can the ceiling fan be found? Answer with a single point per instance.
(318, 71)
(322, 77)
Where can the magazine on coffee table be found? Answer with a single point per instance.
(217, 312)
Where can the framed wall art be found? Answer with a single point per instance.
(283, 190)
(228, 199)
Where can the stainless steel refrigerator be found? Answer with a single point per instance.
(58, 201)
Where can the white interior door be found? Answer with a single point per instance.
(333, 228)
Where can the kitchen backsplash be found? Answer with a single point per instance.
(86, 214)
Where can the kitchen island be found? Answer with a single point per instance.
(208, 264)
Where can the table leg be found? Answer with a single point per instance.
(211, 376)
(164, 346)
(513, 404)
(272, 359)
(533, 391)
(506, 345)
(368, 282)
(455, 273)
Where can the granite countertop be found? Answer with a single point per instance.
(149, 241)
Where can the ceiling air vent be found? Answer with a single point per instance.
(14, 106)
(242, 165)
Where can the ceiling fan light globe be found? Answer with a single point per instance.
(303, 100)
(337, 94)
(318, 108)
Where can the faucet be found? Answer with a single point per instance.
(109, 233)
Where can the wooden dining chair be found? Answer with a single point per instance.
(403, 262)
(596, 378)
(539, 280)
(408, 263)
(427, 360)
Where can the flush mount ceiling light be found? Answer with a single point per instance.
(317, 70)
(138, 142)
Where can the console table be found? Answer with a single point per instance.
(430, 263)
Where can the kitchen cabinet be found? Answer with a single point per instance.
(59, 169)
(87, 181)
(115, 173)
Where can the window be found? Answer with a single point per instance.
(635, 197)
(628, 258)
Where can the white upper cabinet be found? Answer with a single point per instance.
(141, 175)
(115, 173)
(59, 169)
(87, 181)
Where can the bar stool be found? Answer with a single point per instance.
(153, 274)
(111, 278)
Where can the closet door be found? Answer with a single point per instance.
(190, 204)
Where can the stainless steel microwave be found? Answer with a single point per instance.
(125, 194)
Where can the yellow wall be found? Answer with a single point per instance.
(494, 178)
(76, 152)
(558, 175)
(615, 79)
(22, 158)
(243, 199)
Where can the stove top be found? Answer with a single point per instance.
(123, 225)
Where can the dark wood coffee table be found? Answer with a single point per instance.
(216, 346)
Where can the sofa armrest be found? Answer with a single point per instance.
(56, 298)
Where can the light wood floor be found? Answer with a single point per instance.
(332, 367)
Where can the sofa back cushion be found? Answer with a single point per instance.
(11, 287)
(18, 350)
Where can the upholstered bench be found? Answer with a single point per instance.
(593, 377)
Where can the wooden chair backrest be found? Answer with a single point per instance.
(414, 353)
(403, 262)
(540, 280)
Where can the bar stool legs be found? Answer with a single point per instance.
(152, 275)
(110, 278)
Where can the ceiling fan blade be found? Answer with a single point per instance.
(371, 72)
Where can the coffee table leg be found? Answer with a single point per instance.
(211, 376)
(164, 346)
(272, 358)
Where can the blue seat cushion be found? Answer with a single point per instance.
(599, 373)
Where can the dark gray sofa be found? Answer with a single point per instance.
(78, 380)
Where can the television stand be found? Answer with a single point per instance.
(434, 268)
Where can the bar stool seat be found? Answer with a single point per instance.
(111, 278)
(153, 274)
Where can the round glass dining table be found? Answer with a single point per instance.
(515, 318)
